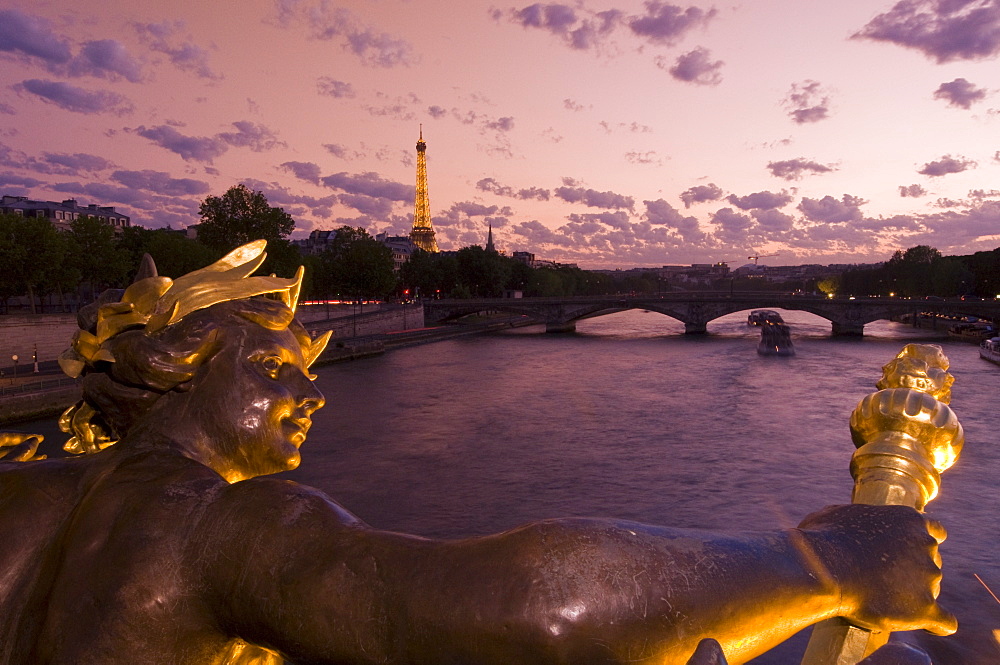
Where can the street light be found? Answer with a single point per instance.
(14, 358)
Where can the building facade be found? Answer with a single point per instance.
(62, 214)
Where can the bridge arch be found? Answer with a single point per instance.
(696, 310)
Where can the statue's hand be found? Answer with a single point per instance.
(19, 447)
(886, 561)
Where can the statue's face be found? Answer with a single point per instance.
(254, 399)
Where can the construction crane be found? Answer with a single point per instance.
(760, 256)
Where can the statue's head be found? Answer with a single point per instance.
(225, 344)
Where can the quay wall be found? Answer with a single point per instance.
(21, 333)
(53, 332)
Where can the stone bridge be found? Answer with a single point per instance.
(695, 310)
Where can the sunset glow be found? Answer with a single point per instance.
(606, 133)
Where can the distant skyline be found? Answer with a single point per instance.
(607, 133)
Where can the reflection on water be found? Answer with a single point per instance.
(630, 418)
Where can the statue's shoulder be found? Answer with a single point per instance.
(279, 502)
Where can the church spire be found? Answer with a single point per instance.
(422, 233)
(489, 241)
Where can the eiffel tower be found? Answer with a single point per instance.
(422, 234)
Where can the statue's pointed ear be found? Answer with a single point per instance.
(146, 268)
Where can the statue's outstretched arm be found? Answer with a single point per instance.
(303, 577)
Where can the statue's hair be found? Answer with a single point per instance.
(135, 345)
(148, 365)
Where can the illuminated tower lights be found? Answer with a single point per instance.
(422, 234)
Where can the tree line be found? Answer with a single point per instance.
(67, 268)
(922, 271)
(63, 269)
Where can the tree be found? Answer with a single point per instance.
(173, 252)
(33, 257)
(909, 273)
(358, 266)
(102, 262)
(829, 285)
(428, 274)
(483, 273)
(239, 216)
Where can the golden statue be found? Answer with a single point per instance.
(173, 546)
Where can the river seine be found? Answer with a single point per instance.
(630, 418)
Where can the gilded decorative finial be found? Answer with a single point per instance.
(906, 433)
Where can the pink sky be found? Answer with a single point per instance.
(610, 134)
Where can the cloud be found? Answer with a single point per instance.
(326, 22)
(573, 105)
(106, 58)
(666, 24)
(807, 102)
(773, 220)
(369, 184)
(201, 149)
(303, 171)
(616, 220)
(943, 30)
(204, 149)
(250, 135)
(294, 203)
(733, 226)
(580, 33)
(694, 67)
(367, 205)
(700, 194)
(185, 56)
(648, 157)
(491, 185)
(340, 151)
(661, 24)
(160, 183)
(436, 111)
(793, 169)
(760, 200)
(72, 164)
(10, 179)
(504, 124)
(473, 209)
(960, 93)
(593, 198)
(661, 213)
(946, 165)
(953, 230)
(78, 100)
(914, 191)
(633, 127)
(334, 88)
(830, 210)
(31, 36)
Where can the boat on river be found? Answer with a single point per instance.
(760, 317)
(775, 340)
(990, 350)
(972, 332)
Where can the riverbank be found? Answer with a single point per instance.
(50, 393)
